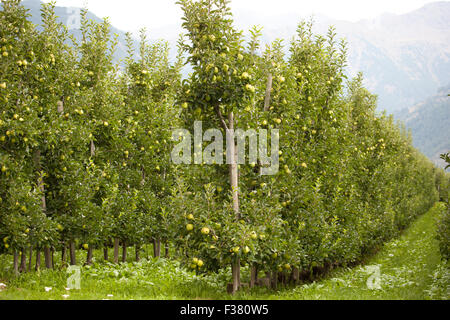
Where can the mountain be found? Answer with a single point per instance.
(405, 58)
(429, 122)
(69, 17)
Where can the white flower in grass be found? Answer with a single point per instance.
(110, 295)
(47, 289)
(65, 296)
(67, 289)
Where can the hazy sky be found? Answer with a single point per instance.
(131, 15)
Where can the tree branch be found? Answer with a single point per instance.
(222, 120)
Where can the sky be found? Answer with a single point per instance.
(132, 15)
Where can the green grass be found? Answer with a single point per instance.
(410, 268)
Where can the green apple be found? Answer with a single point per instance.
(250, 88)
(245, 75)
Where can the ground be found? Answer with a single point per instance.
(406, 268)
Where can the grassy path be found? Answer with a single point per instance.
(406, 268)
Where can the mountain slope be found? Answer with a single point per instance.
(66, 16)
(429, 122)
(404, 58)
(412, 56)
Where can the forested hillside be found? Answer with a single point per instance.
(429, 123)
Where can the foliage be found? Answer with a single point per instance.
(402, 277)
(85, 147)
(428, 121)
(446, 158)
(444, 232)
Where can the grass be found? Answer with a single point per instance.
(409, 268)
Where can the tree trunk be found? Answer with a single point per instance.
(282, 278)
(137, 250)
(38, 260)
(295, 276)
(89, 256)
(73, 257)
(30, 258)
(60, 107)
(236, 274)
(124, 251)
(37, 163)
(274, 280)
(105, 253)
(116, 250)
(234, 182)
(16, 263)
(234, 177)
(92, 148)
(47, 258)
(23, 261)
(166, 247)
(63, 254)
(253, 275)
(156, 248)
(268, 91)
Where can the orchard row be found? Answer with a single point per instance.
(85, 148)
